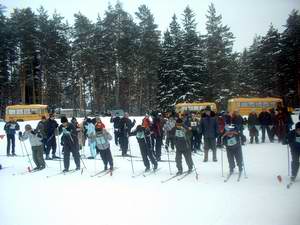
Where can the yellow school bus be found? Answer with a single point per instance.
(26, 112)
(194, 107)
(246, 105)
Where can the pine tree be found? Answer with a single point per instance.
(148, 59)
(219, 42)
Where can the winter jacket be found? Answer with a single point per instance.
(157, 127)
(238, 121)
(90, 130)
(294, 140)
(35, 139)
(11, 128)
(209, 127)
(41, 128)
(51, 126)
(102, 139)
(126, 125)
(232, 142)
(116, 122)
(143, 137)
(253, 120)
(265, 119)
(180, 139)
(146, 123)
(69, 137)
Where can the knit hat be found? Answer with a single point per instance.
(28, 127)
(63, 119)
(298, 125)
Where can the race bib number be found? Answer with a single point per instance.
(179, 133)
(140, 135)
(193, 124)
(12, 126)
(101, 140)
(232, 141)
(298, 139)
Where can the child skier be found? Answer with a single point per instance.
(102, 144)
(37, 146)
(70, 143)
(91, 134)
(294, 143)
(183, 147)
(232, 141)
(143, 137)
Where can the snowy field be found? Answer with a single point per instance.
(120, 199)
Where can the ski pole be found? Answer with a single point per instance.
(27, 154)
(222, 159)
(244, 167)
(169, 162)
(131, 161)
(59, 153)
(288, 158)
(22, 149)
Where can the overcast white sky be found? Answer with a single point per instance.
(244, 17)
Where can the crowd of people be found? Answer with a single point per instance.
(183, 135)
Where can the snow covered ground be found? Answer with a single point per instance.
(34, 199)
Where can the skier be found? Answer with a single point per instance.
(102, 144)
(238, 121)
(37, 146)
(116, 121)
(10, 129)
(51, 130)
(232, 141)
(156, 134)
(209, 129)
(191, 123)
(70, 143)
(125, 127)
(294, 143)
(183, 147)
(265, 120)
(91, 134)
(169, 125)
(143, 137)
(253, 126)
(41, 128)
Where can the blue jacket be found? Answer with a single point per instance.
(209, 127)
(11, 128)
(294, 140)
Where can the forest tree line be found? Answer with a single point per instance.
(124, 61)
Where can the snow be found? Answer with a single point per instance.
(72, 199)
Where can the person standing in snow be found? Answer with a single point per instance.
(116, 121)
(156, 129)
(70, 143)
(51, 131)
(125, 127)
(91, 134)
(10, 129)
(41, 129)
(183, 147)
(102, 144)
(293, 139)
(253, 126)
(209, 130)
(169, 125)
(232, 141)
(143, 137)
(36, 141)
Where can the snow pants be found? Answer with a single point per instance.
(146, 153)
(106, 158)
(263, 133)
(10, 141)
(37, 155)
(210, 143)
(123, 144)
(75, 152)
(182, 148)
(234, 154)
(295, 162)
(51, 143)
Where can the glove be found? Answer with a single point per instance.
(134, 120)
(20, 133)
(32, 132)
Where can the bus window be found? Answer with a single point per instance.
(27, 111)
(35, 111)
(11, 112)
(266, 104)
(19, 111)
(259, 104)
(244, 104)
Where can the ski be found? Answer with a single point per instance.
(138, 174)
(184, 175)
(62, 173)
(145, 174)
(98, 173)
(290, 184)
(108, 172)
(26, 172)
(170, 178)
(239, 177)
(228, 177)
(125, 156)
